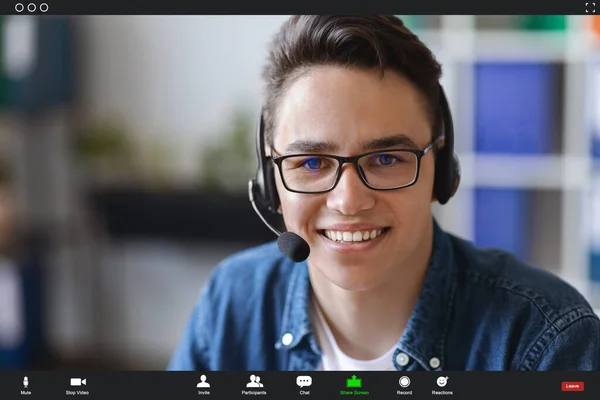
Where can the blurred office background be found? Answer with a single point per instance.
(114, 204)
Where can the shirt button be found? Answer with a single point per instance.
(434, 362)
(402, 359)
(286, 339)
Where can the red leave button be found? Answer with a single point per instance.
(572, 386)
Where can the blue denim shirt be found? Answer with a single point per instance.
(478, 310)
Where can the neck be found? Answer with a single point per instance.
(368, 323)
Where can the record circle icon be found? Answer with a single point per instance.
(404, 381)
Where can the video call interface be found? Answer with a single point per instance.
(299, 206)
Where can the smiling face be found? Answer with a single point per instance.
(346, 112)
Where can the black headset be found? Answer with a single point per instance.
(263, 192)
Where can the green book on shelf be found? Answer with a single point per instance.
(543, 22)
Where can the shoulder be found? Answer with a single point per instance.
(251, 270)
(238, 304)
(502, 272)
(241, 280)
(536, 307)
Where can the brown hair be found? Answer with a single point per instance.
(379, 42)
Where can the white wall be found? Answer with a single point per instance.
(174, 76)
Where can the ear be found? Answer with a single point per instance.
(434, 197)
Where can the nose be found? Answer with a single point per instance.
(351, 195)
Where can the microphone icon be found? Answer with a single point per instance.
(25, 382)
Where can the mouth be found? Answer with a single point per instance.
(353, 237)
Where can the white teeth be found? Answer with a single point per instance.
(357, 236)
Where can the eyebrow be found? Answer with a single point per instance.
(385, 142)
(310, 146)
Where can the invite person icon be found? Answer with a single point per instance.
(203, 383)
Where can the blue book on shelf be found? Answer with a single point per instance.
(596, 146)
(500, 220)
(595, 233)
(594, 88)
(596, 110)
(515, 107)
(595, 266)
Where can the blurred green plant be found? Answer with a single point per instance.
(106, 139)
(155, 162)
(228, 163)
(111, 154)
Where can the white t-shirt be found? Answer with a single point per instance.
(334, 359)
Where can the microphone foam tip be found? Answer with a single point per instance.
(293, 246)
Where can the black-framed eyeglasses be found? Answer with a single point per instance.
(379, 170)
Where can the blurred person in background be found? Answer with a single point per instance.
(12, 330)
(358, 144)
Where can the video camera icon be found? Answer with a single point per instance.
(78, 382)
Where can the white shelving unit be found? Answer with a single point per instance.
(562, 181)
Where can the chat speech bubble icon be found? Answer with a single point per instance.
(303, 381)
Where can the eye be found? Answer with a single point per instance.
(312, 164)
(386, 159)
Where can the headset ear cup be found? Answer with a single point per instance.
(441, 179)
(447, 167)
(260, 185)
(270, 187)
(447, 176)
(455, 183)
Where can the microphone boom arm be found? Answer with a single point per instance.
(251, 188)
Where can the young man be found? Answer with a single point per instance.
(384, 287)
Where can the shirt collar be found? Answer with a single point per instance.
(425, 334)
